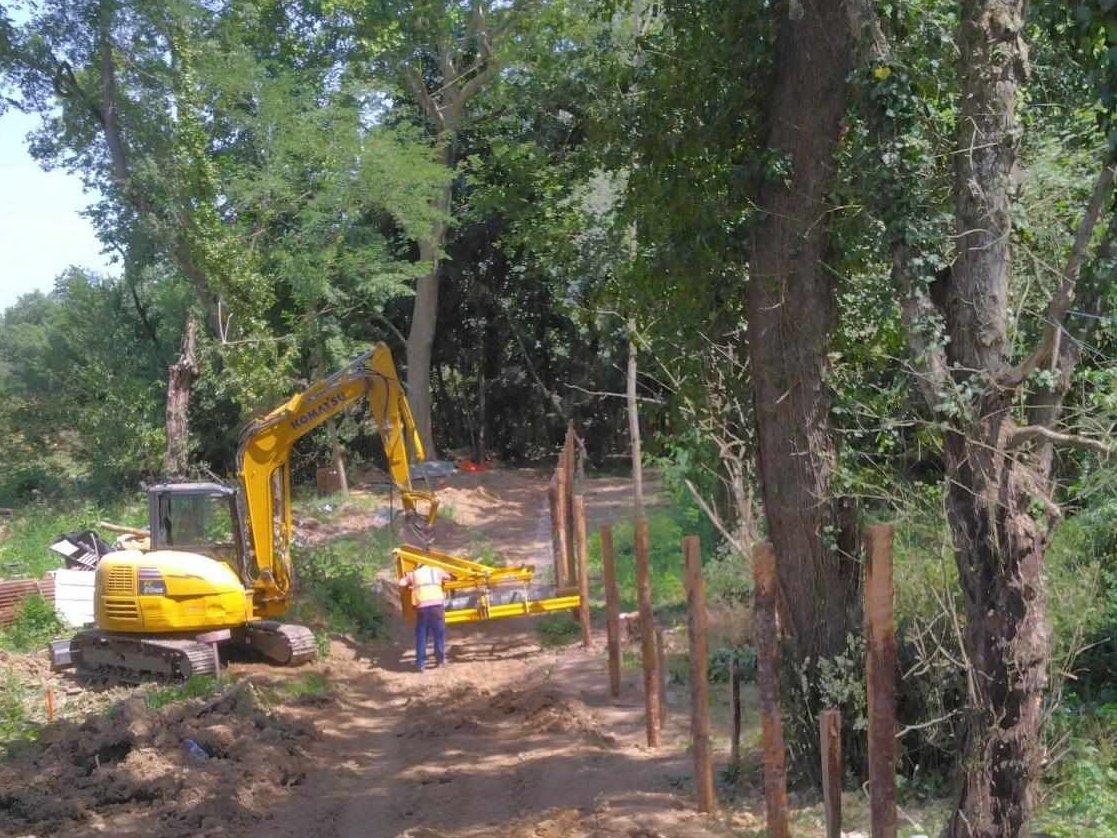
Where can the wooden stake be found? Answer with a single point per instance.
(647, 632)
(661, 665)
(564, 579)
(612, 610)
(768, 682)
(556, 532)
(699, 684)
(830, 741)
(735, 700)
(568, 482)
(880, 677)
(583, 570)
(50, 705)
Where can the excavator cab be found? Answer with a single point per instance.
(201, 518)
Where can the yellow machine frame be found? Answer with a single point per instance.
(486, 581)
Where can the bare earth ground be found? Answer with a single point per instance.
(509, 739)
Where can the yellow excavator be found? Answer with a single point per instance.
(218, 566)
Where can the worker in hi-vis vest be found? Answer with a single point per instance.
(425, 583)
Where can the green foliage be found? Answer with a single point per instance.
(665, 560)
(719, 666)
(196, 686)
(36, 623)
(557, 630)
(23, 544)
(336, 593)
(15, 723)
(1082, 789)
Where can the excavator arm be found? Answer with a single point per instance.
(264, 463)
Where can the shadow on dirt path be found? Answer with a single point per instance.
(511, 736)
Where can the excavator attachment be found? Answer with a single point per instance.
(479, 592)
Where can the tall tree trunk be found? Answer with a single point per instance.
(791, 308)
(424, 315)
(634, 422)
(338, 457)
(181, 376)
(999, 545)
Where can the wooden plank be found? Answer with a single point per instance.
(583, 570)
(880, 679)
(699, 681)
(612, 610)
(768, 683)
(647, 632)
(830, 742)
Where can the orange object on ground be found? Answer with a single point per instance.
(469, 465)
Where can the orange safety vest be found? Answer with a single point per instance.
(426, 587)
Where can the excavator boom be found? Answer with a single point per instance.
(265, 451)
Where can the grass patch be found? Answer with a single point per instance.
(25, 537)
(35, 625)
(197, 686)
(557, 630)
(665, 560)
(337, 587)
(305, 689)
(15, 721)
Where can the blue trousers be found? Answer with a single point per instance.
(430, 620)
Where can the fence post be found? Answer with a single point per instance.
(768, 683)
(568, 503)
(735, 700)
(661, 666)
(830, 743)
(880, 678)
(556, 531)
(647, 632)
(612, 610)
(699, 684)
(563, 578)
(583, 570)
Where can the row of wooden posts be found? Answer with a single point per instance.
(880, 663)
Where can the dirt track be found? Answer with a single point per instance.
(509, 739)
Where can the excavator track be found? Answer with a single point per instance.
(283, 643)
(135, 658)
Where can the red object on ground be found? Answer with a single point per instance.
(469, 465)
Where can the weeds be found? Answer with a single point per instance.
(337, 593)
(15, 723)
(35, 625)
(23, 548)
(197, 686)
(558, 630)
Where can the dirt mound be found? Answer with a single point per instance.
(27, 666)
(79, 776)
(549, 711)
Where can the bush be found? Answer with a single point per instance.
(15, 723)
(665, 560)
(336, 587)
(36, 624)
(558, 630)
(1082, 798)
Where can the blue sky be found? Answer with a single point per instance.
(41, 230)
